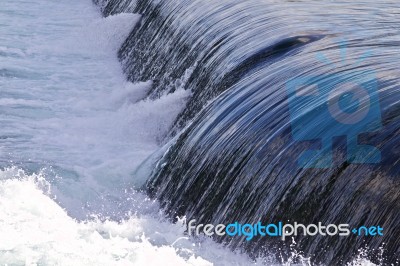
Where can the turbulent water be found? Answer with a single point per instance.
(73, 131)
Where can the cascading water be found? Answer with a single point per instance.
(77, 140)
(237, 160)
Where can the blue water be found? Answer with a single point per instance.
(73, 130)
(253, 152)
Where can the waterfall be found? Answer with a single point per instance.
(240, 156)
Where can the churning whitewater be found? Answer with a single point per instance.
(73, 133)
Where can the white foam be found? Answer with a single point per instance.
(109, 32)
(35, 230)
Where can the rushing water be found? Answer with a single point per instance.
(73, 131)
(237, 160)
